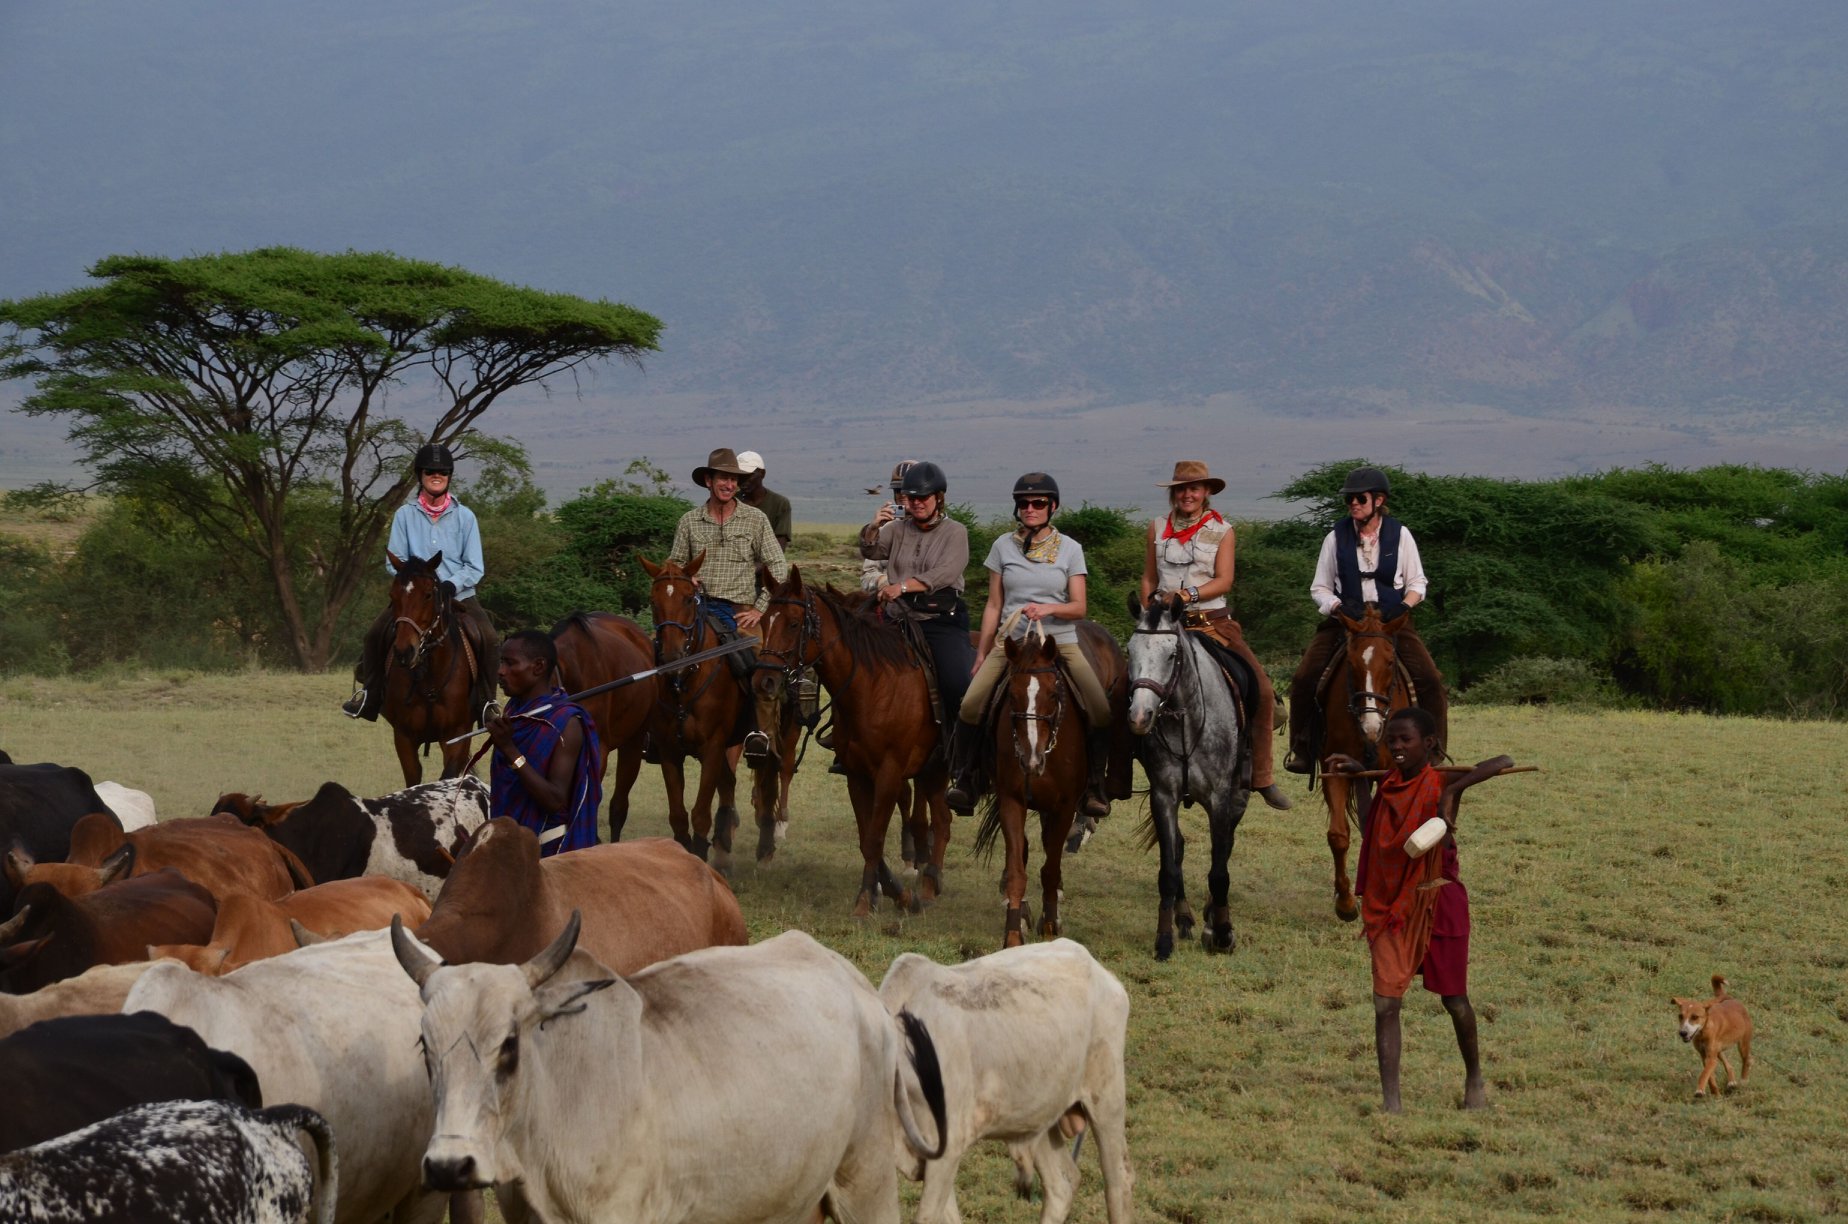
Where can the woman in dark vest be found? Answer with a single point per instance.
(1369, 557)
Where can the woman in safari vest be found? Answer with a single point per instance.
(1190, 555)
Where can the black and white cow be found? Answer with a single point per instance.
(62, 1075)
(411, 835)
(180, 1161)
(38, 806)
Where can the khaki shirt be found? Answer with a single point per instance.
(936, 558)
(734, 549)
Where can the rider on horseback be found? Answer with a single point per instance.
(1040, 575)
(736, 539)
(1365, 547)
(432, 522)
(1191, 554)
(926, 552)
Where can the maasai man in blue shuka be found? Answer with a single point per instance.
(547, 766)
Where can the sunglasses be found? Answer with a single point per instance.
(1357, 497)
(1034, 503)
(915, 497)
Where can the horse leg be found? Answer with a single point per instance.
(786, 774)
(455, 758)
(1012, 814)
(628, 768)
(1335, 795)
(885, 802)
(914, 855)
(930, 883)
(674, 779)
(407, 757)
(860, 791)
(712, 777)
(1164, 820)
(1052, 892)
(1218, 935)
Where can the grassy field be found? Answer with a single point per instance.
(1651, 852)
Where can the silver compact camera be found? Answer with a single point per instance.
(898, 509)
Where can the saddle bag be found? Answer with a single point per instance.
(946, 602)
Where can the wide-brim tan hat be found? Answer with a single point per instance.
(721, 460)
(1192, 471)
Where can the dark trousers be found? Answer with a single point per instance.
(950, 651)
(369, 672)
(1330, 636)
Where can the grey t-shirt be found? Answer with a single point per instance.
(1024, 582)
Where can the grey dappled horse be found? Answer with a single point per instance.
(1187, 723)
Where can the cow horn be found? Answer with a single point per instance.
(410, 954)
(14, 925)
(305, 938)
(18, 865)
(541, 967)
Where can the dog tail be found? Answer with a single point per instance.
(1719, 987)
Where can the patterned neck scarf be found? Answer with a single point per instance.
(1185, 533)
(433, 508)
(1045, 551)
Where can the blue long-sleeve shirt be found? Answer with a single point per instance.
(453, 533)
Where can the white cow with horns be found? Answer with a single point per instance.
(753, 1085)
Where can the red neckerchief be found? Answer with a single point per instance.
(433, 509)
(1169, 533)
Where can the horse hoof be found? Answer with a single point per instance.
(1050, 928)
(915, 901)
(1164, 946)
(782, 830)
(1346, 912)
(1216, 944)
(865, 904)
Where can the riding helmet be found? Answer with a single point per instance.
(434, 457)
(923, 479)
(1037, 484)
(1366, 480)
(898, 473)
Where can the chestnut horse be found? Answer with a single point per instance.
(595, 648)
(430, 673)
(1363, 688)
(883, 734)
(699, 711)
(1041, 763)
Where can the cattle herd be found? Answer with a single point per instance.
(375, 1009)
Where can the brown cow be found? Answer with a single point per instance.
(643, 901)
(52, 937)
(250, 928)
(218, 853)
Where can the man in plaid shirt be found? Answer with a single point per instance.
(736, 539)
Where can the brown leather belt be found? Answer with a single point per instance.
(1196, 618)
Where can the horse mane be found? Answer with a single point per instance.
(580, 618)
(868, 639)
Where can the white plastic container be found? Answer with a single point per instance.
(1425, 836)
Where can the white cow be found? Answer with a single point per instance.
(97, 991)
(332, 1027)
(135, 809)
(1030, 1041)
(754, 1085)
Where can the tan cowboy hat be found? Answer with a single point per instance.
(721, 460)
(1192, 471)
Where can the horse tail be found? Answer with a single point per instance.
(1144, 831)
(990, 827)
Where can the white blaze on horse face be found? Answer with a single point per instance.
(406, 588)
(1372, 719)
(670, 590)
(1036, 758)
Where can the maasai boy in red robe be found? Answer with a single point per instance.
(547, 771)
(1415, 910)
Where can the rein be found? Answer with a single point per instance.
(1054, 721)
(1362, 700)
(1166, 694)
(442, 626)
(693, 633)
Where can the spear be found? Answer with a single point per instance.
(692, 660)
(1455, 769)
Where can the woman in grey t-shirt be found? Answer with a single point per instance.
(1040, 574)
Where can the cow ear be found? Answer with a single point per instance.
(557, 999)
(117, 866)
(18, 864)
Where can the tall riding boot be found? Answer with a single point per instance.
(1096, 803)
(965, 757)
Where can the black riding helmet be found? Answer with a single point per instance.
(923, 479)
(1366, 480)
(434, 457)
(1036, 484)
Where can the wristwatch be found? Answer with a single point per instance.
(1193, 594)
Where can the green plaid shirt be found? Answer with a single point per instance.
(733, 549)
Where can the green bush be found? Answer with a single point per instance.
(29, 640)
(1539, 680)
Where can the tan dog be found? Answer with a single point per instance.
(1712, 1025)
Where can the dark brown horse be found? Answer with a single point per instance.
(432, 668)
(1363, 688)
(701, 712)
(883, 735)
(595, 648)
(773, 768)
(1041, 764)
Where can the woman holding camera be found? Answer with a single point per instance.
(925, 553)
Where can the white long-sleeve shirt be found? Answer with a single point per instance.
(1408, 577)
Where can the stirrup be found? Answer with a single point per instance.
(1295, 764)
(756, 747)
(355, 705)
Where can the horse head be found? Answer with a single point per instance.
(1373, 670)
(1036, 695)
(1154, 658)
(673, 601)
(789, 637)
(418, 606)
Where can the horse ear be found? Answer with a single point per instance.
(765, 579)
(435, 560)
(695, 563)
(397, 562)
(654, 571)
(1134, 598)
(1397, 623)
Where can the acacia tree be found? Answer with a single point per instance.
(234, 387)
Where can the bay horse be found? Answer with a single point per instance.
(773, 767)
(1190, 724)
(595, 648)
(431, 669)
(699, 711)
(1362, 689)
(1041, 764)
(884, 735)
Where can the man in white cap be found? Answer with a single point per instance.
(774, 505)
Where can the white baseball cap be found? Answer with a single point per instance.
(750, 461)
